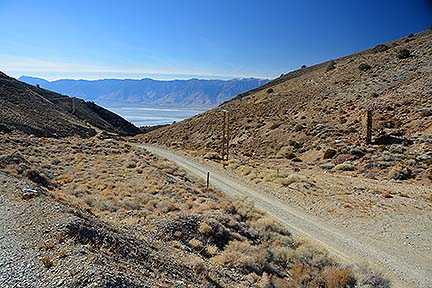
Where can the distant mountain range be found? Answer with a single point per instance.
(194, 93)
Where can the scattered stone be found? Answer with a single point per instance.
(12, 159)
(329, 153)
(131, 164)
(400, 173)
(29, 194)
(346, 166)
(212, 156)
(425, 112)
(357, 152)
(386, 194)
(425, 156)
(389, 157)
(37, 177)
(327, 166)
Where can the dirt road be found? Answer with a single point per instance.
(349, 248)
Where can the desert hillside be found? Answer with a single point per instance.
(40, 112)
(315, 117)
(104, 213)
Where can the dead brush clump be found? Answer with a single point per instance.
(339, 278)
(45, 245)
(267, 225)
(196, 244)
(368, 277)
(205, 228)
(47, 261)
(62, 253)
(170, 168)
(290, 179)
(245, 210)
(167, 205)
(243, 256)
(245, 240)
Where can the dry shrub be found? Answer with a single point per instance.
(177, 244)
(290, 179)
(264, 281)
(167, 205)
(37, 177)
(268, 177)
(246, 210)
(198, 266)
(130, 204)
(107, 206)
(205, 228)
(339, 278)
(47, 261)
(280, 255)
(243, 256)
(244, 170)
(372, 278)
(196, 244)
(90, 200)
(310, 256)
(62, 253)
(429, 173)
(212, 250)
(45, 245)
(329, 153)
(299, 275)
(279, 282)
(267, 224)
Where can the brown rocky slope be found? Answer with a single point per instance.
(40, 112)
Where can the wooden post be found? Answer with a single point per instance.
(208, 180)
(228, 136)
(369, 127)
(223, 138)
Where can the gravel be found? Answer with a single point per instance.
(18, 265)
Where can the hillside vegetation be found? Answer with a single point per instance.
(40, 112)
(316, 116)
(118, 216)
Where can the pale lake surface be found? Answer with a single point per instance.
(150, 116)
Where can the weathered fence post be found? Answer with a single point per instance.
(369, 127)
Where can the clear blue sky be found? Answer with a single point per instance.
(194, 38)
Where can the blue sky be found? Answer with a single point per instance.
(192, 38)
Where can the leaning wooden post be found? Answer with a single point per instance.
(369, 127)
(223, 138)
(228, 136)
(208, 180)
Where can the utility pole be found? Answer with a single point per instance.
(223, 138)
(369, 127)
(228, 135)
